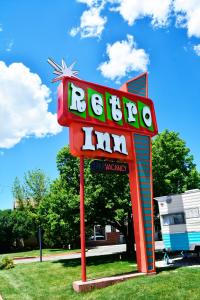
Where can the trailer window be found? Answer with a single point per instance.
(173, 219)
(192, 213)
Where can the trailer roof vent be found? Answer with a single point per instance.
(169, 199)
(192, 191)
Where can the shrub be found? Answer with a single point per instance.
(6, 263)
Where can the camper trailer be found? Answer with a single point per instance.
(180, 220)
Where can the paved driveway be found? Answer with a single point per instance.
(97, 251)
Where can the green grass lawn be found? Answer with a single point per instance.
(53, 281)
(35, 253)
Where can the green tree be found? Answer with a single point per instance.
(60, 216)
(32, 191)
(107, 197)
(107, 201)
(14, 226)
(174, 170)
(23, 224)
(7, 236)
(18, 193)
(28, 195)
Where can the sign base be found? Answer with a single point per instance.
(80, 286)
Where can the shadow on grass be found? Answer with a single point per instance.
(63, 250)
(57, 250)
(178, 263)
(96, 260)
(188, 262)
(167, 268)
(102, 260)
(6, 252)
(106, 259)
(18, 251)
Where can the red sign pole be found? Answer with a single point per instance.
(137, 218)
(82, 220)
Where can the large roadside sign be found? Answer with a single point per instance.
(102, 119)
(112, 124)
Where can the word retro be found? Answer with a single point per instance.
(80, 101)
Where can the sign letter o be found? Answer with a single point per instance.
(146, 115)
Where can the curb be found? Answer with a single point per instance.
(45, 256)
(27, 257)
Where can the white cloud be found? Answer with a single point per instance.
(88, 2)
(197, 49)
(23, 106)
(10, 45)
(185, 12)
(124, 57)
(1, 28)
(188, 15)
(74, 31)
(91, 23)
(157, 10)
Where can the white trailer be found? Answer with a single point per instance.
(180, 220)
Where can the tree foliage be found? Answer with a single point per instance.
(59, 219)
(28, 196)
(32, 190)
(6, 229)
(107, 197)
(14, 225)
(60, 210)
(174, 170)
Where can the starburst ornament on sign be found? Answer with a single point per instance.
(62, 70)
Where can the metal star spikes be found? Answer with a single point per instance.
(62, 70)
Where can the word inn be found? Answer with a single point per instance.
(104, 141)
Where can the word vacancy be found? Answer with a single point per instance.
(105, 117)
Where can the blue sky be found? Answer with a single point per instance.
(112, 41)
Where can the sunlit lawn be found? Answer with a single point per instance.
(53, 280)
(35, 253)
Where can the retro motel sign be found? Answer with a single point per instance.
(113, 124)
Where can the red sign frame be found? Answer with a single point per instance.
(67, 117)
